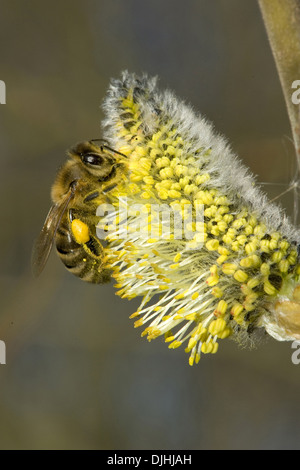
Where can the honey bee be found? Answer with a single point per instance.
(80, 186)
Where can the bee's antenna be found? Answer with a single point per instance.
(107, 147)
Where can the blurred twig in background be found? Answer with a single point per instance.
(282, 22)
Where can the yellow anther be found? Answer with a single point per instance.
(212, 280)
(192, 342)
(152, 240)
(284, 266)
(165, 184)
(221, 200)
(207, 348)
(222, 225)
(236, 309)
(235, 246)
(189, 189)
(269, 288)
(265, 246)
(191, 359)
(241, 239)
(252, 283)
(153, 333)
(222, 259)
(135, 314)
(225, 333)
(191, 316)
(273, 244)
(250, 298)
(216, 326)
(205, 197)
(180, 170)
(174, 194)
(165, 161)
(145, 163)
(221, 308)
(214, 269)
(212, 245)
(229, 268)
(174, 266)
(175, 344)
(284, 245)
(133, 188)
(265, 269)
(240, 276)
(238, 223)
(217, 292)
(251, 247)
(163, 193)
(148, 180)
(223, 251)
(200, 179)
(170, 338)
(177, 257)
(292, 257)
(184, 181)
(166, 173)
(170, 149)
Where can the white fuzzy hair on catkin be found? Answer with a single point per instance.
(226, 170)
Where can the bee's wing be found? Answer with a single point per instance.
(44, 242)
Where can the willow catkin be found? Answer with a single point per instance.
(225, 269)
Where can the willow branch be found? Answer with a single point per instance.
(282, 22)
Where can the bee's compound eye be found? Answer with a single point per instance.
(92, 159)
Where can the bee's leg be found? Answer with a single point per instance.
(92, 267)
(88, 218)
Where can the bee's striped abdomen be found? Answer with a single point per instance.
(84, 260)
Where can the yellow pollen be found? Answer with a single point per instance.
(174, 266)
(135, 314)
(168, 339)
(212, 245)
(240, 276)
(177, 257)
(221, 308)
(236, 309)
(269, 288)
(217, 292)
(229, 268)
(80, 231)
(175, 344)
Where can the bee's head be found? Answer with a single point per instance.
(99, 161)
(89, 164)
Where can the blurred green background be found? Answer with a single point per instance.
(78, 375)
